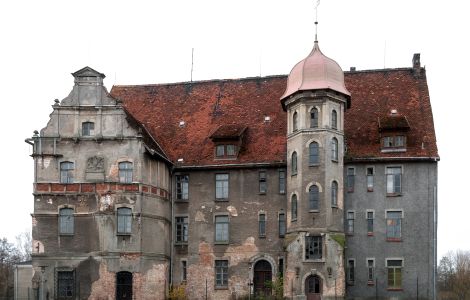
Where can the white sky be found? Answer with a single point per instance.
(138, 42)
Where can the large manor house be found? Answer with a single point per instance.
(322, 181)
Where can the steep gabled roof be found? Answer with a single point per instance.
(206, 106)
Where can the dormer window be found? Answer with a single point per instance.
(397, 141)
(225, 151)
(393, 130)
(227, 139)
(88, 128)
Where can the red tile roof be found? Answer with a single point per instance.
(209, 106)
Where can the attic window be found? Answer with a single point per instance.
(391, 142)
(225, 151)
(227, 140)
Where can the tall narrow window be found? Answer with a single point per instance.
(262, 225)
(394, 225)
(282, 181)
(334, 194)
(124, 220)
(334, 119)
(393, 180)
(313, 197)
(181, 229)
(221, 229)
(370, 179)
(370, 223)
(370, 271)
(184, 270)
(334, 149)
(281, 267)
(88, 128)
(294, 163)
(66, 172)
(294, 207)
(221, 186)
(313, 247)
(182, 187)
(351, 271)
(282, 224)
(262, 182)
(295, 122)
(65, 285)
(350, 223)
(350, 179)
(394, 270)
(220, 151)
(66, 221)
(221, 273)
(313, 153)
(125, 172)
(314, 118)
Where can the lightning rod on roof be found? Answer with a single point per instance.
(316, 19)
(192, 63)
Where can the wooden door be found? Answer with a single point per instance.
(262, 274)
(313, 287)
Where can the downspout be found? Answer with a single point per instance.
(171, 226)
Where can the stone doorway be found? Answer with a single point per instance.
(313, 287)
(123, 286)
(262, 273)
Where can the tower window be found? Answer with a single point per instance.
(334, 119)
(334, 149)
(294, 163)
(313, 247)
(334, 194)
(313, 153)
(313, 195)
(295, 125)
(314, 118)
(294, 207)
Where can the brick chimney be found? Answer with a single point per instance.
(416, 64)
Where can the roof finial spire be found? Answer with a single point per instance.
(316, 19)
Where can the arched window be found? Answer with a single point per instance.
(334, 119)
(294, 207)
(294, 163)
(334, 194)
(124, 220)
(313, 197)
(66, 221)
(295, 125)
(313, 153)
(124, 285)
(314, 118)
(334, 149)
(66, 172)
(125, 172)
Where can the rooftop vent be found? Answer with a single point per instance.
(267, 119)
(352, 69)
(180, 160)
(393, 112)
(182, 124)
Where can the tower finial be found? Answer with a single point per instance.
(316, 20)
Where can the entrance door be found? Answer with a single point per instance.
(123, 286)
(313, 287)
(262, 274)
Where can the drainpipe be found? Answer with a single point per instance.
(171, 226)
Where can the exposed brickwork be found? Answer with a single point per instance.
(105, 287)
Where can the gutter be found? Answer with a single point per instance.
(404, 158)
(235, 165)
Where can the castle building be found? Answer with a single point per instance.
(321, 181)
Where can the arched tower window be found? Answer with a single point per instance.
(313, 197)
(334, 149)
(295, 121)
(294, 163)
(314, 118)
(334, 194)
(334, 119)
(313, 157)
(294, 207)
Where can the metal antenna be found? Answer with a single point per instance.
(192, 63)
(316, 19)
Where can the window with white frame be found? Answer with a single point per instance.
(350, 174)
(182, 187)
(221, 186)
(394, 225)
(394, 273)
(66, 221)
(393, 180)
(350, 222)
(125, 172)
(66, 172)
(221, 229)
(370, 179)
(124, 220)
